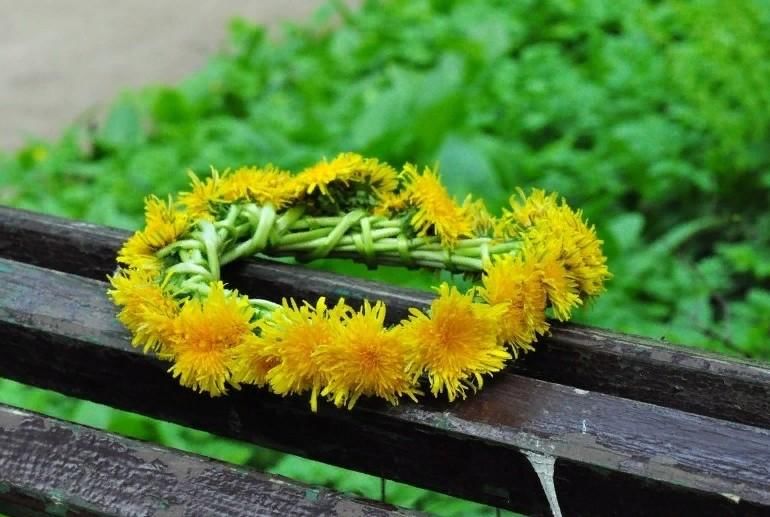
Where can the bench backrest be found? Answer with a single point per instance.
(625, 423)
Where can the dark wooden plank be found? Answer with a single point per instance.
(75, 247)
(608, 450)
(586, 358)
(50, 466)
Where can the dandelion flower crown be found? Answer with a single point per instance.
(539, 255)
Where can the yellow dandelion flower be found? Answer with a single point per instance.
(202, 195)
(584, 257)
(319, 176)
(436, 211)
(146, 310)
(206, 331)
(261, 185)
(164, 225)
(291, 335)
(137, 253)
(365, 358)
(574, 243)
(560, 284)
(541, 218)
(391, 203)
(381, 177)
(518, 285)
(457, 343)
(525, 211)
(481, 220)
(249, 363)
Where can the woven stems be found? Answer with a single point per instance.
(543, 256)
(249, 229)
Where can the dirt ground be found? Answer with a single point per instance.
(58, 58)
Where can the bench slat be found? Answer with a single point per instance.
(49, 466)
(586, 358)
(59, 331)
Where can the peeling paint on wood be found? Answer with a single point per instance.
(543, 466)
(67, 469)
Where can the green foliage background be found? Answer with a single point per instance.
(653, 116)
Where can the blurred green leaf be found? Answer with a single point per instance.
(465, 169)
(123, 127)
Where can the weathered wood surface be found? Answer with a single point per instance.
(585, 358)
(49, 466)
(59, 331)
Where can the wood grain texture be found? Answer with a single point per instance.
(582, 357)
(50, 466)
(58, 331)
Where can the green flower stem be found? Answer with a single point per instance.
(248, 229)
(331, 240)
(232, 214)
(195, 285)
(389, 245)
(211, 243)
(393, 260)
(188, 268)
(266, 305)
(309, 238)
(289, 243)
(186, 244)
(320, 222)
(450, 260)
(428, 259)
(258, 240)
(266, 220)
(288, 219)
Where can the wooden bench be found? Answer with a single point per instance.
(613, 424)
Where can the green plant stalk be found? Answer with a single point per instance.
(250, 229)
